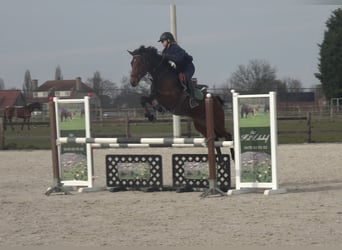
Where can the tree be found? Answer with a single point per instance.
(257, 77)
(96, 83)
(330, 57)
(27, 86)
(58, 73)
(2, 84)
(292, 85)
(129, 97)
(104, 89)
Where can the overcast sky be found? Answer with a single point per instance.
(84, 36)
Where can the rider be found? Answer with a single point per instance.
(181, 61)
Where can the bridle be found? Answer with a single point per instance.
(141, 74)
(145, 64)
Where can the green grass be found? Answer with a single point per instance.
(259, 120)
(75, 124)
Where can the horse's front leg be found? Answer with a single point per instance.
(145, 102)
(8, 121)
(23, 124)
(11, 123)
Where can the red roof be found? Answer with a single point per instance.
(11, 98)
(63, 85)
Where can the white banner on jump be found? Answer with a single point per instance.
(255, 143)
(74, 160)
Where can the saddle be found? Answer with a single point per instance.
(197, 89)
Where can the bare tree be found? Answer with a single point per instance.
(58, 73)
(95, 83)
(104, 89)
(2, 84)
(27, 86)
(130, 96)
(101, 86)
(257, 77)
(293, 85)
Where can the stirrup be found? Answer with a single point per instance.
(193, 103)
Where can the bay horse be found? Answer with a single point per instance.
(22, 112)
(65, 114)
(169, 93)
(246, 109)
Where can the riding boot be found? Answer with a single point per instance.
(193, 103)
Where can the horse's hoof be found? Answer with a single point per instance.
(159, 109)
(150, 117)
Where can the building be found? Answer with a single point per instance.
(11, 98)
(64, 89)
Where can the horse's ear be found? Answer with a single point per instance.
(130, 52)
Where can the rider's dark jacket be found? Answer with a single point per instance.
(181, 58)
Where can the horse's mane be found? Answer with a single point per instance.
(151, 52)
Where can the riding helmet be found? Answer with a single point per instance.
(166, 36)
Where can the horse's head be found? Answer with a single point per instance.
(142, 63)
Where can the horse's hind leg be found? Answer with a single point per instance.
(203, 130)
(10, 121)
(223, 133)
(28, 124)
(220, 130)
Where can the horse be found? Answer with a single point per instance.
(246, 109)
(23, 112)
(65, 114)
(169, 93)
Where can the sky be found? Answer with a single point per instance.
(84, 36)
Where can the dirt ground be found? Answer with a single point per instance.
(309, 214)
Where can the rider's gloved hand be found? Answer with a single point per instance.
(172, 64)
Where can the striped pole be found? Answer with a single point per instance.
(143, 142)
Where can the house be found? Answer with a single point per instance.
(11, 98)
(63, 89)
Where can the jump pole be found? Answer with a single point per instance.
(209, 117)
(57, 185)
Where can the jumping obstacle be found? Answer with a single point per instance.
(93, 143)
(254, 145)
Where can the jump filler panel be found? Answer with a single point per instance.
(193, 170)
(134, 171)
